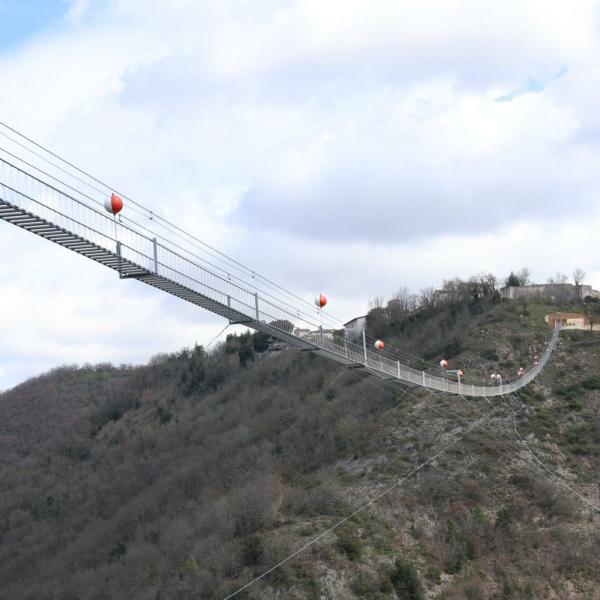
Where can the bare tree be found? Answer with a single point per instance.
(376, 302)
(524, 276)
(487, 282)
(402, 299)
(402, 303)
(427, 297)
(457, 289)
(558, 278)
(578, 276)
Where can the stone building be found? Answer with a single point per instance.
(553, 292)
(441, 297)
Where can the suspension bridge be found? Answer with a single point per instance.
(52, 198)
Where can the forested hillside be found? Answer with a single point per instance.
(188, 477)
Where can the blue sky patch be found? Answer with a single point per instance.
(532, 86)
(23, 19)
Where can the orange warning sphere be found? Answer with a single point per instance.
(321, 300)
(114, 204)
(379, 345)
(444, 363)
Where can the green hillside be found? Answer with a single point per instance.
(188, 477)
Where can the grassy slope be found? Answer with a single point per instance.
(188, 477)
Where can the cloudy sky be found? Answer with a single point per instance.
(347, 147)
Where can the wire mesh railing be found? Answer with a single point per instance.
(152, 254)
(396, 369)
(51, 200)
(65, 177)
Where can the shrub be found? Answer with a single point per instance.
(434, 574)
(490, 355)
(479, 516)
(261, 342)
(385, 583)
(451, 348)
(349, 544)
(253, 550)
(246, 349)
(503, 519)
(596, 430)
(77, 452)
(321, 500)
(510, 590)
(153, 571)
(580, 439)
(194, 374)
(535, 487)
(164, 415)
(348, 436)
(118, 551)
(366, 585)
(406, 581)
(543, 422)
(473, 590)
(190, 567)
(569, 392)
(562, 506)
(592, 383)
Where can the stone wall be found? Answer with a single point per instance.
(555, 292)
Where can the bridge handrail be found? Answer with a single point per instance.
(48, 202)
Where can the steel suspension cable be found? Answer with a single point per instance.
(149, 213)
(412, 361)
(173, 244)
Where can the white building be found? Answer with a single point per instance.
(355, 327)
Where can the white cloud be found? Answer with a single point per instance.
(337, 146)
(77, 10)
(60, 308)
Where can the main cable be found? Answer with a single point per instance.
(150, 213)
(412, 361)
